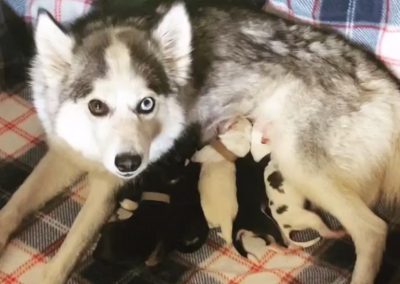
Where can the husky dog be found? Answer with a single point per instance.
(114, 90)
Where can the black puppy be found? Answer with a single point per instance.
(168, 217)
(254, 214)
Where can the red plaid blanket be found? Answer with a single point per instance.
(21, 147)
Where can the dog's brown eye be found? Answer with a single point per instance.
(98, 108)
(146, 105)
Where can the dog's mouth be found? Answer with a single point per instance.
(131, 175)
(127, 175)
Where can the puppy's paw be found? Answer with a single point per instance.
(123, 214)
(255, 246)
(129, 205)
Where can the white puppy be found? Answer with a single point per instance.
(287, 204)
(288, 209)
(217, 183)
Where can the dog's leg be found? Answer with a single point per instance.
(48, 179)
(366, 229)
(95, 212)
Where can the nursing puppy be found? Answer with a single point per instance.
(115, 89)
(286, 204)
(217, 182)
(288, 208)
(254, 219)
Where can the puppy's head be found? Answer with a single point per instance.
(207, 154)
(109, 88)
(237, 136)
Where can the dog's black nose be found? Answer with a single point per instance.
(127, 162)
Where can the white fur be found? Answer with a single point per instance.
(356, 175)
(217, 182)
(174, 33)
(102, 139)
(253, 245)
(296, 216)
(58, 169)
(79, 142)
(53, 46)
(258, 149)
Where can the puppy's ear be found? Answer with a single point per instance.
(53, 45)
(174, 36)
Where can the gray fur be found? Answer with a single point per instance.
(331, 111)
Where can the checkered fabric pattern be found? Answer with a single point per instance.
(21, 146)
(374, 24)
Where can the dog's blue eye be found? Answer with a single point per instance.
(146, 105)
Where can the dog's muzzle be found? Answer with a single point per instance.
(127, 163)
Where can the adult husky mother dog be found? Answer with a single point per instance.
(114, 92)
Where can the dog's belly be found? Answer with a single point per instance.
(311, 132)
(359, 150)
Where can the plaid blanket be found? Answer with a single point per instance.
(374, 24)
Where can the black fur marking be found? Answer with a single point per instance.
(253, 215)
(92, 66)
(307, 204)
(145, 62)
(275, 180)
(286, 226)
(281, 209)
(271, 203)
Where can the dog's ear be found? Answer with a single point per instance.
(174, 36)
(53, 45)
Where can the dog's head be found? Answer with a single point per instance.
(110, 91)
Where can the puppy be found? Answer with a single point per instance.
(217, 183)
(287, 204)
(254, 219)
(288, 208)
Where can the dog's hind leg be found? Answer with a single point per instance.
(95, 212)
(48, 179)
(366, 229)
